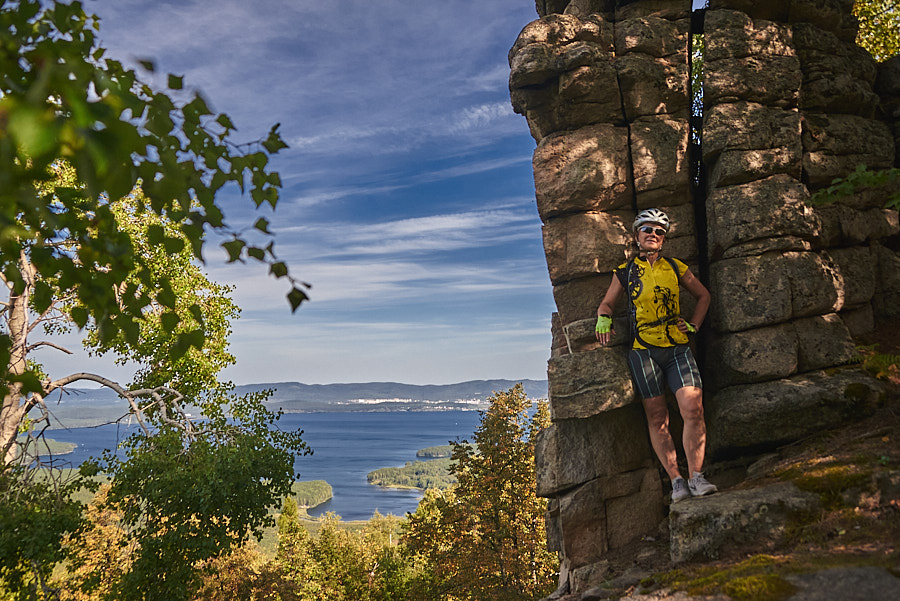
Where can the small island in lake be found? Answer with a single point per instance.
(311, 493)
(436, 452)
(422, 475)
(46, 447)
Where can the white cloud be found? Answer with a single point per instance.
(375, 99)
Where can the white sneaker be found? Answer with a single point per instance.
(700, 486)
(679, 489)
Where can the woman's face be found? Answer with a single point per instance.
(650, 237)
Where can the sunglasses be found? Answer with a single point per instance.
(646, 229)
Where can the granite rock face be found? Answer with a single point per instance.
(701, 527)
(789, 103)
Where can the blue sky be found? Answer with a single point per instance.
(408, 198)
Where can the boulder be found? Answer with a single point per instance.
(844, 226)
(653, 86)
(581, 337)
(746, 125)
(552, 526)
(734, 34)
(585, 244)
(589, 383)
(585, 9)
(756, 355)
(833, 146)
(549, 29)
(609, 512)
(733, 167)
(775, 10)
(816, 285)
(538, 106)
(664, 9)
(571, 452)
(763, 416)
(701, 528)
(532, 65)
(838, 77)
(578, 299)
(848, 584)
(824, 341)
(681, 218)
(855, 267)
(749, 292)
(584, 170)
(683, 248)
(830, 15)
(653, 36)
(659, 158)
(768, 80)
(550, 7)
(589, 94)
(859, 320)
(765, 245)
(887, 80)
(768, 208)
(885, 301)
(557, 338)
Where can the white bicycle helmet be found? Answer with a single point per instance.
(650, 216)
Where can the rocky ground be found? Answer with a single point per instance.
(819, 519)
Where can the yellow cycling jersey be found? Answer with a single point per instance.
(653, 300)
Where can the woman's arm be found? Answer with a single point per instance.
(606, 307)
(699, 291)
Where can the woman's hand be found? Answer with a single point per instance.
(604, 330)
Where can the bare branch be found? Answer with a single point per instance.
(31, 347)
(163, 398)
(43, 316)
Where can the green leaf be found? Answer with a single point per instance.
(79, 316)
(169, 321)
(234, 249)
(257, 253)
(42, 297)
(155, 233)
(173, 245)
(166, 297)
(176, 82)
(279, 269)
(196, 312)
(225, 121)
(273, 142)
(262, 224)
(296, 297)
(149, 65)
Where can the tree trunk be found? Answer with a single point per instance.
(14, 407)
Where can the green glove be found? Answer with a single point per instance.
(604, 324)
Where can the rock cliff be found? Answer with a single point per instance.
(788, 103)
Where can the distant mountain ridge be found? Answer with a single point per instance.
(473, 389)
(88, 407)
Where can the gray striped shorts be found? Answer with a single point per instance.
(675, 363)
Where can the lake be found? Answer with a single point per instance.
(346, 447)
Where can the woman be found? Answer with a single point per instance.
(660, 347)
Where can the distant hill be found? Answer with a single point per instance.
(80, 407)
(389, 396)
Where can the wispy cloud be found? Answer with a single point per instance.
(408, 201)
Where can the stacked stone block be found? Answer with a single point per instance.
(605, 90)
(789, 105)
